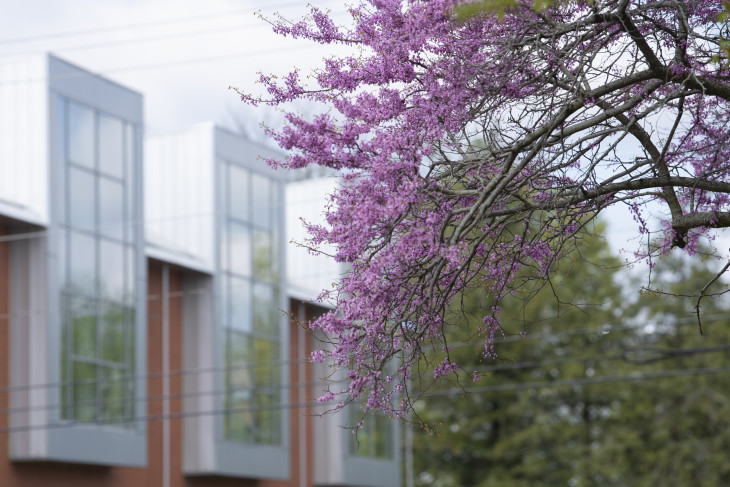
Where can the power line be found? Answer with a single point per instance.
(142, 67)
(153, 38)
(157, 417)
(580, 381)
(146, 398)
(154, 23)
(449, 392)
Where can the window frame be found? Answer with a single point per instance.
(36, 338)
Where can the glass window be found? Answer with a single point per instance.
(266, 419)
(130, 158)
(97, 354)
(111, 146)
(83, 326)
(239, 248)
(239, 304)
(112, 395)
(251, 309)
(264, 310)
(113, 327)
(238, 192)
(262, 255)
(80, 135)
(82, 199)
(129, 279)
(84, 391)
(111, 208)
(111, 270)
(82, 265)
(238, 421)
(375, 438)
(261, 189)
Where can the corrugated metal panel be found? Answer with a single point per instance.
(179, 193)
(24, 139)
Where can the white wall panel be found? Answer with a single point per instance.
(24, 139)
(179, 198)
(307, 274)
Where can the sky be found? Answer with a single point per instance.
(181, 55)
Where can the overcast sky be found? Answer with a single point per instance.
(182, 55)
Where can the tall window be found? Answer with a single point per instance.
(98, 272)
(375, 438)
(249, 259)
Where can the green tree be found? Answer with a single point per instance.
(559, 407)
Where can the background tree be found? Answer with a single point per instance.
(475, 149)
(561, 407)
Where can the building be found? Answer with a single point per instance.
(145, 303)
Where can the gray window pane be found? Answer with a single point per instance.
(111, 208)
(262, 255)
(264, 310)
(238, 296)
(266, 416)
(81, 135)
(82, 265)
(261, 190)
(238, 192)
(112, 394)
(112, 333)
(239, 419)
(239, 247)
(383, 432)
(82, 199)
(130, 166)
(131, 276)
(62, 257)
(111, 147)
(111, 270)
(263, 356)
(82, 314)
(60, 176)
(238, 361)
(84, 391)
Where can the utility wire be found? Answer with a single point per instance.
(580, 381)
(154, 23)
(674, 353)
(137, 40)
(157, 417)
(450, 392)
(142, 67)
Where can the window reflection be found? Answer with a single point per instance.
(82, 199)
(238, 191)
(252, 316)
(97, 354)
(111, 146)
(261, 189)
(264, 316)
(262, 255)
(375, 438)
(239, 248)
(83, 326)
(111, 270)
(111, 208)
(239, 304)
(82, 263)
(80, 135)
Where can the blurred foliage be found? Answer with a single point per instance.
(584, 405)
(470, 9)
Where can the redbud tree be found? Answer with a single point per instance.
(474, 148)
